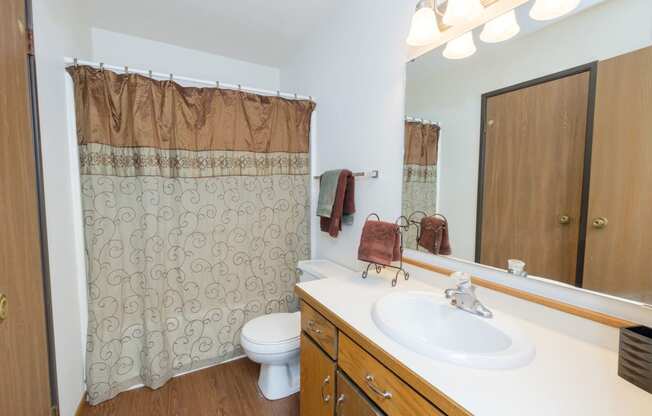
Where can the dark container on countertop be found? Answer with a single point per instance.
(635, 356)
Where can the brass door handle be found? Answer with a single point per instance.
(3, 307)
(564, 219)
(599, 222)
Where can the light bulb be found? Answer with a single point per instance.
(501, 28)
(423, 29)
(461, 11)
(460, 48)
(552, 9)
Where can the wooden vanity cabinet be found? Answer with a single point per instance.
(317, 396)
(340, 378)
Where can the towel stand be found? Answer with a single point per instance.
(369, 174)
(403, 225)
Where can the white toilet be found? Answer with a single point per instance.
(273, 342)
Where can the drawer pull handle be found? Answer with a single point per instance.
(338, 404)
(325, 396)
(311, 326)
(370, 382)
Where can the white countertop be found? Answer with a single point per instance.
(570, 375)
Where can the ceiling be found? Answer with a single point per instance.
(263, 32)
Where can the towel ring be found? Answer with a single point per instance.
(374, 215)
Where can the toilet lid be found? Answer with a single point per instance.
(274, 328)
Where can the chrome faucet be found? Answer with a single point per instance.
(463, 296)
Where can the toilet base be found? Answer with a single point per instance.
(279, 381)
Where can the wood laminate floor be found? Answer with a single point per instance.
(225, 390)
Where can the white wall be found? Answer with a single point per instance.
(120, 49)
(354, 66)
(58, 31)
(451, 95)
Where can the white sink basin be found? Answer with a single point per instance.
(426, 323)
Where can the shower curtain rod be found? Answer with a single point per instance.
(422, 120)
(161, 75)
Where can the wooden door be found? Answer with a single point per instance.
(617, 256)
(532, 176)
(24, 376)
(317, 380)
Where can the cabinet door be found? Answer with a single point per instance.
(351, 401)
(317, 380)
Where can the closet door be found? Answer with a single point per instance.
(531, 176)
(619, 235)
(24, 385)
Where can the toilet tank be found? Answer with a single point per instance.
(321, 269)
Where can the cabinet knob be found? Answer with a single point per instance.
(3, 307)
(564, 219)
(600, 222)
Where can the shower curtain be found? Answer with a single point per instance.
(196, 211)
(419, 173)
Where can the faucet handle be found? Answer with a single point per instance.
(462, 279)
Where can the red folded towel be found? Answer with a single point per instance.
(380, 243)
(434, 235)
(344, 204)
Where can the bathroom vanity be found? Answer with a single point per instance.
(350, 366)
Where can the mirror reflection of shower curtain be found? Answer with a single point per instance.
(196, 211)
(419, 173)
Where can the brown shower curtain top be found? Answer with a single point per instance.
(421, 143)
(141, 115)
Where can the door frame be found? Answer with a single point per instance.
(40, 195)
(592, 69)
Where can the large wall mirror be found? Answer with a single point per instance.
(539, 148)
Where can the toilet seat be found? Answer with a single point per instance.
(272, 334)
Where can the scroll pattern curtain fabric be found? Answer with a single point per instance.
(196, 211)
(419, 173)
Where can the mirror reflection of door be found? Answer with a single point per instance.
(531, 174)
(619, 230)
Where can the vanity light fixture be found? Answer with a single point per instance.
(552, 9)
(424, 28)
(461, 47)
(461, 11)
(501, 28)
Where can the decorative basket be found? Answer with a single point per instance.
(635, 356)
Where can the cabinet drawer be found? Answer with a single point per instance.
(319, 329)
(388, 391)
(351, 401)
